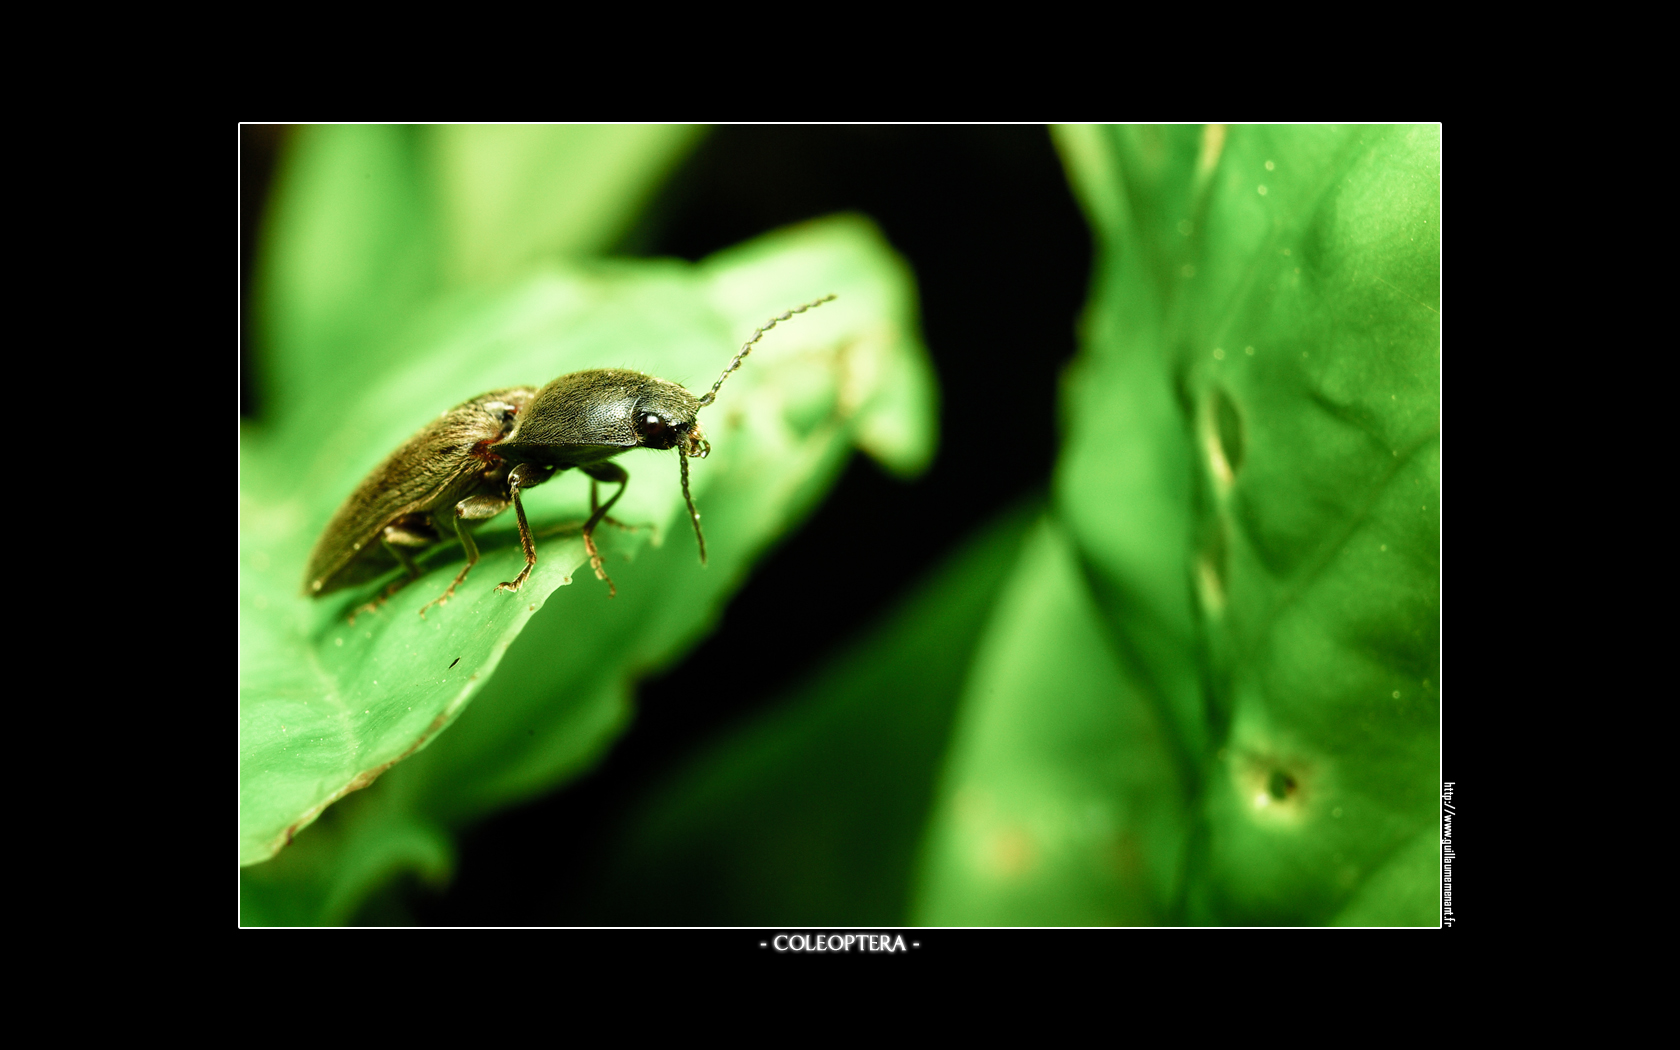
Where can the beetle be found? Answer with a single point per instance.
(476, 459)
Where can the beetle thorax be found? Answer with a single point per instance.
(591, 416)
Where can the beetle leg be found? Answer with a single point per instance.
(524, 476)
(394, 538)
(607, 519)
(473, 508)
(525, 539)
(373, 606)
(601, 472)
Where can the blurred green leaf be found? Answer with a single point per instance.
(369, 223)
(1061, 804)
(358, 848)
(326, 705)
(813, 813)
(515, 194)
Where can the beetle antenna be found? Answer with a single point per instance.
(742, 356)
(693, 514)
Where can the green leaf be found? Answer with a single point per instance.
(812, 815)
(1394, 894)
(1252, 472)
(327, 705)
(356, 849)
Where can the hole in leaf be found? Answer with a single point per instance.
(1281, 785)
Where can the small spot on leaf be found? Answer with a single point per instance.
(1280, 785)
(1010, 853)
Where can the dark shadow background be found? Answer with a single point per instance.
(1001, 257)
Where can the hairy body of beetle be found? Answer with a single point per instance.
(473, 461)
(424, 492)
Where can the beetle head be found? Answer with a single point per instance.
(664, 418)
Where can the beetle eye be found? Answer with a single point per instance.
(655, 430)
